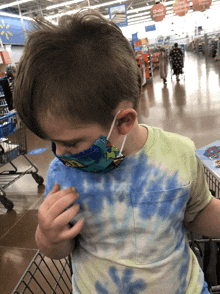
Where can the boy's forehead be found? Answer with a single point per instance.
(61, 129)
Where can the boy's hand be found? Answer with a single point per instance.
(53, 221)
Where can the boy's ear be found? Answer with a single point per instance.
(126, 120)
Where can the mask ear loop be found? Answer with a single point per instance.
(122, 146)
(113, 124)
(109, 134)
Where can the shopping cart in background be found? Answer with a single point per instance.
(45, 275)
(13, 143)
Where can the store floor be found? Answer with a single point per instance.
(190, 107)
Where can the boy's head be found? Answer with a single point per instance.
(80, 70)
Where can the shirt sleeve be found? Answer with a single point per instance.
(50, 181)
(200, 196)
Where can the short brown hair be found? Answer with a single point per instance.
(80, 69)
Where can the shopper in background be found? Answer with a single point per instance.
(163, 65)
(176, 56)
(137, 187)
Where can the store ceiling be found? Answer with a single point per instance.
(137, 10)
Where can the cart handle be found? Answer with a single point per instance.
(8, 115)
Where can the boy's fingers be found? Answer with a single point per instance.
(55, 189)
(52, 198)
(58, 207)
(74, 231)
(67, 216)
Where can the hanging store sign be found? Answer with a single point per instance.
(201, 5)
(12, 30)
(150, 28)
(135, 37)
(141, 42)
(137, 43)
(181, 7)
(118, 14)
(144, 41)
(158, 12)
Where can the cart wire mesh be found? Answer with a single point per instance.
(45, 275)
(207, 250)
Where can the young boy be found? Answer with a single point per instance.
(135, 188)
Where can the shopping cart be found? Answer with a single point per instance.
(13, 144)
(45, 275)
(206, 249)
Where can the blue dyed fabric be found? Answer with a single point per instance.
(134, 239)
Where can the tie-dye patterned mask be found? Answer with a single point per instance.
(102, 156)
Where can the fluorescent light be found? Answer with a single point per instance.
(139, 18)
(14, 15)
(90, 7)
(14, 3)
(139, 9)
(106, 4)
(61, 14)
(140, 14)
(139, 22)
(63, 4)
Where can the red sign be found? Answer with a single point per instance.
(141, 42)
(158, 12)
(181, 7)
(137, 43)
(201, 5)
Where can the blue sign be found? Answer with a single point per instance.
(37, 151)
(12, 31)
(135, 37)
(150, 28)
(118, 14)
(137, 48)
(132, 43)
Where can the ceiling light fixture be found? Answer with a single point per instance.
(14, 3)
(139, 18)
(63, 4)
(77, 1)
(140, 14)
(91, 7)
(14, 15)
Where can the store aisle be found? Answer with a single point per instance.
(190, 107)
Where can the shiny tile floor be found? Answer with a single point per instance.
(190, 107)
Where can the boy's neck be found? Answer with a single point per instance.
(136, 139)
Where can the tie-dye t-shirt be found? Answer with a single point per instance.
(133, 239)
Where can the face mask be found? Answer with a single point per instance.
(102, 156)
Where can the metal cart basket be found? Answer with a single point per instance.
(44, 276)
(206, 249)
(13, 143)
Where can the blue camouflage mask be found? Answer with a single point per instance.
(102, 156)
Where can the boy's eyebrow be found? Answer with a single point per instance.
(71, 141)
